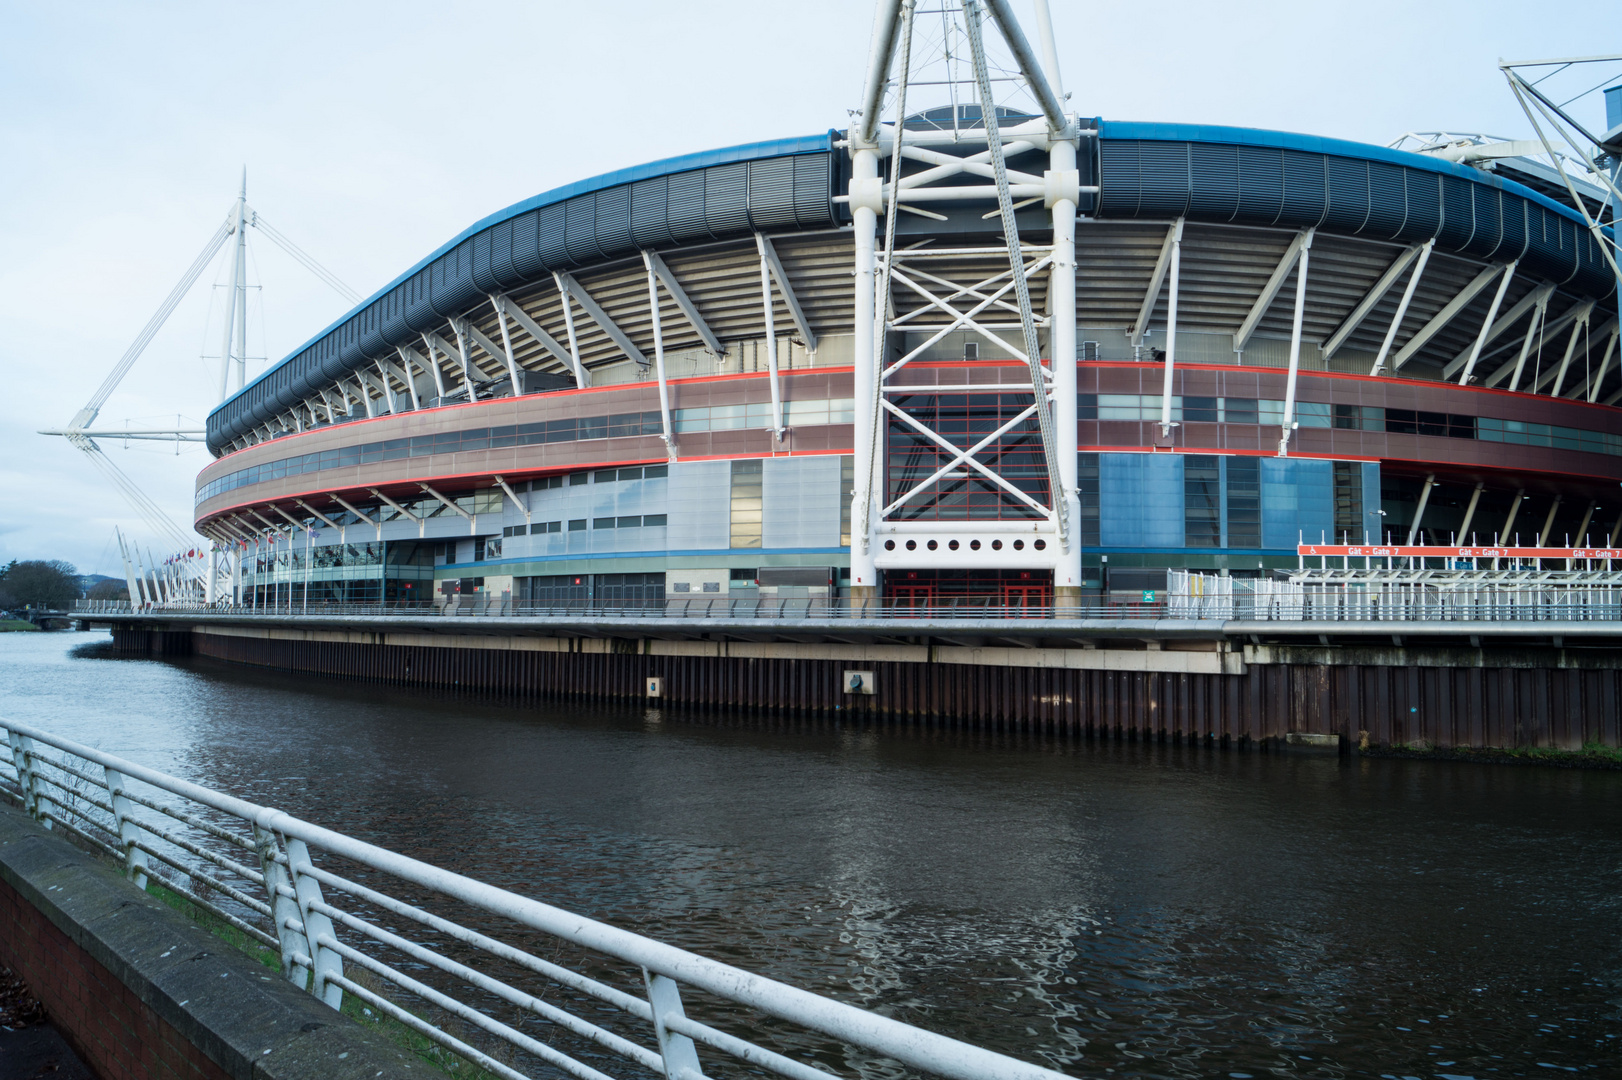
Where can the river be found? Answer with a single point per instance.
(1104, 908)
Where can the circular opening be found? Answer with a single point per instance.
(1019, 545)
(1039, 545)
(912, 545)
(974, 545)
(952, 544)
(933, 545)
(996, 545)
(889, 545)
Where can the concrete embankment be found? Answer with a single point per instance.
(141, 991)
(1159, 681)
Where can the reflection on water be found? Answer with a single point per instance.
(1106, 908)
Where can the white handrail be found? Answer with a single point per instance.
(924, 1050)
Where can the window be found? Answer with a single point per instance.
(847, 488)
(1312, 414)
(971, 350)
(606, 476)
(742, 577)
(1349, 502)
(602, 523)
(1240, 410)
(1244, 502)
(1202, 500)
(652, 521)
(576, 479)
(547, 482)
(492, 548)
(745, 531)
(1087, 493)
(540, 528)
(577, 524)
(1086, 351)
(633, 521)
(1201, 410)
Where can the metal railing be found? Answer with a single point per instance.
(1312, 604)
(348, 917)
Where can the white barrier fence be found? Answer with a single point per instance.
(446, 956)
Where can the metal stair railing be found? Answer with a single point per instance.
(421, 944)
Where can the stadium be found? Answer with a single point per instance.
(810, 369)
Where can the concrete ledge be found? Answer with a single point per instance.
(124, 976)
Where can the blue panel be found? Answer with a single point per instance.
(813, 188)
(726, 199)
(1298, 500)
(1214, 171)
(1304, 189)
(1489, 211)
(549, 243)
(526, 255)
(771, 194)
(1458, 215)
(1261, 185)
(614, 221)
(1388, 200)
(1347, 183)
(580, 229)
(1371, 500)
(686, 207)
(649, 226)
(1121, 175)
(1140, 499)
(1165, 179)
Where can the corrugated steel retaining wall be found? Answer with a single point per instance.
(1396, 700)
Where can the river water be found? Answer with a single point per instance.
(1106, 909)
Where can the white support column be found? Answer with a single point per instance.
(1402, 307)
(1157, 278)
(1449, 312)
(549, 343)
(433, 366)
(1371, 299)
(659, 356)
(1062, 345)
(1540, 313)
(768, 252)
(567, 300)
(513, 495)
(1295, 344)
(376, 524)
(1582, 530)
(771, 338)
(499, 302)
(679, 294)
(1174, 271)
(1470, 513)
(459, 328)
(1604, 364)
(1548, 522)
(1486, 324)
(1419, 511)
(866, 196)
(1270, 291)
(388, 389)
(422, 523)
(1578, 325)
(365, 395)
(1501, 325)
(600, 317)
(1507, 536)
(403, 373)
(472, 522)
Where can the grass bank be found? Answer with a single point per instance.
(16, 624)
(1593, 755)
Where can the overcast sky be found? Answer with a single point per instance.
(372, 133)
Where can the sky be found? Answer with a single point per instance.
(372, 133)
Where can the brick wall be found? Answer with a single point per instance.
(108, 1026)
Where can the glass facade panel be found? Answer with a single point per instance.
(745, 506)
(1202, 500)
(962, 493)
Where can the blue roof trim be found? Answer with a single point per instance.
(805, 144)
(1149, 131)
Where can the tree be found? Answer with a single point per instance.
(39, 583)
(110, 589)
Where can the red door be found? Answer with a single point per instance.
(914, 596)
(1019, 598)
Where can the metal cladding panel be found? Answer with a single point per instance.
(1214, 182)
(1165, 178)
(726, 198)
(813, 189)
(554, 253)
(1305, 189)
(1388, 201)
(580, 230)
(771, 194)
(1261, 185)
(332, 364)
(1565, 249)
(614, 221)
(1346, 187)
(454, 291)
(1487, 204)
(526, 251)
(1512, 220)
(1424, 205)
(1120, 174)
(686, 207)
(484, 279)
(419, 313)
(393, 324)
(1458, 215)
(650, 226)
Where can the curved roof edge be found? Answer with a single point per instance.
(805, 144)
(1152, 131)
